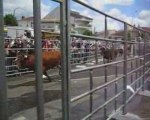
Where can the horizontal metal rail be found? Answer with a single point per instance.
(58, 1)
(139, 77)
(136, 80)
(94, 38)
(135, 70)
(94, 9)
(102, 106)
(114, 112)
(102, 13)
(18, 49)
(10, 57)
(94, 67)
(102, 39)
(18, 73)
(11, 66)
(147, 63)
(133, 95)
(96, 89)
(134, 58)
(138, 57)
(103, 65)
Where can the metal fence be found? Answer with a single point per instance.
(139, 71)
(135, 70)
(83, 51)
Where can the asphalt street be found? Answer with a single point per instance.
(22, 96)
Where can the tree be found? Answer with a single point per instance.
(142, 35)
(87, 32)
(129, 36)
(10, 19)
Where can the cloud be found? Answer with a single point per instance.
(120, 2)
(23, 8)
(142, 19)
(145, 14)
(26, 9)
(121, 16)
(99, 4)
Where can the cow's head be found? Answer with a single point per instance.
(20, 60)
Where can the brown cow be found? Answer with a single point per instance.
(108, 54)
(120, 51)
(50, 59)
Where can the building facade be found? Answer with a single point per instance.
(51, 22)
(26, 22)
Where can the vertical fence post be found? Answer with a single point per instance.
(116, 91)
(144, 60)
(91, 87)
(65, 60)
(125, 70)
(131, 70)
(38, 60)
(105, 26)
(3, 83)
(105, 92)
(136, 73)
(96, 52)
(116, 70)
(134, 54)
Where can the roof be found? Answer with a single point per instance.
(146, 28)
(49, 21)
(54, 16)
(119, 33)
(55, 13)
(26, 18)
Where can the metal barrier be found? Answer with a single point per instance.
(81, 52)
(135, 70)
(139, 72)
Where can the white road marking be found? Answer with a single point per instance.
(80, 66)
(90, 63)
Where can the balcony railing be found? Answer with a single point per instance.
(83, 27)
(83, 20)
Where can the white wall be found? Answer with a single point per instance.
(25, 23)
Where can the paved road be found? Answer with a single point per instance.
(21, 95)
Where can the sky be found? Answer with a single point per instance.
(135, 12)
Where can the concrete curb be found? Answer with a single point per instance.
(145, 93)
(128, 116)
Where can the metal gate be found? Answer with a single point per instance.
(135, 70)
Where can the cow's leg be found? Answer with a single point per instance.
(49, 78)
(59, 69)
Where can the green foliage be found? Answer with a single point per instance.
(10, 19)
(142, 35)
(129, 36)
(88, 33)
